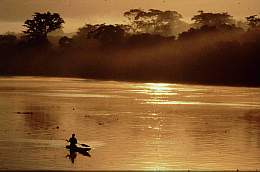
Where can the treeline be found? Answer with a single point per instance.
(155, 46)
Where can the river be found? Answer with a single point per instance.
(130, 126)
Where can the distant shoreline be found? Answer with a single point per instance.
(140, 81)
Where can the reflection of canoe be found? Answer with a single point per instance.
(78, 149)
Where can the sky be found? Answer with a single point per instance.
(76, 13)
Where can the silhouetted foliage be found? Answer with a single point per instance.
(108, 34)
(41, 25)
(86, 31)
(166, 23)
(100, 31)
(105, 34)
(212, 19)
(214, 30)
(253, 21)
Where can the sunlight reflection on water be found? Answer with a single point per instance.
(155, 89)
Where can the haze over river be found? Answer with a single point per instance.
(138, 126)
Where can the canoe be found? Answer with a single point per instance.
(78, 149)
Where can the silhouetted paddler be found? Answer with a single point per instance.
(73, 141)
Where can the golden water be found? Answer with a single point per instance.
(137, 126)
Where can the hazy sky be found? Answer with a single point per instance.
(78, 12)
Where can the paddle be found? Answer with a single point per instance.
(82, 144)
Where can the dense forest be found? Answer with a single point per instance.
(154, 46)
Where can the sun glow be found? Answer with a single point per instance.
(155, 89)
(158, 87)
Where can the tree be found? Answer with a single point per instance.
(154, 21)
(42, 24)
(106, 34)
(212, 19)
(253, 21)
(86, 31)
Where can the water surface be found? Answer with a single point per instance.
(138, 126)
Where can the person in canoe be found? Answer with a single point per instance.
(73, 141)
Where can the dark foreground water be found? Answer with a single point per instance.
(138, 126)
